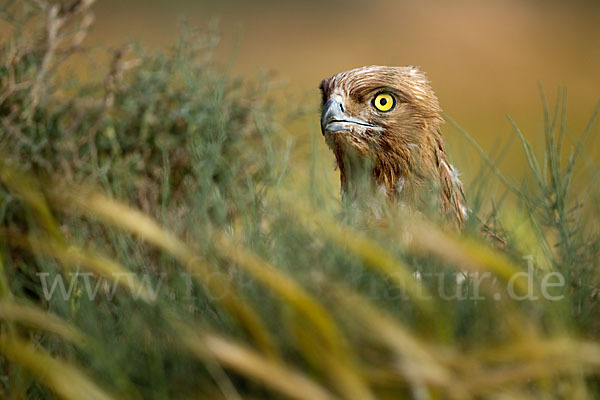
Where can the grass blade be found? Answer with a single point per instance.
(65, 380)
(40, 319)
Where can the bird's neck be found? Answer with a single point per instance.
(363, 176)
(416, 176)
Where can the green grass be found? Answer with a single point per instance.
(235, 282)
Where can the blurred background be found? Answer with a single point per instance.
(484, 58)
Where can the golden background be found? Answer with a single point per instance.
(484, 58)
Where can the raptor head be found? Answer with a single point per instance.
(386, 121)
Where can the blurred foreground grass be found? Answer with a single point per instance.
(152, 249)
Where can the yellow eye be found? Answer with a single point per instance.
(384, 102)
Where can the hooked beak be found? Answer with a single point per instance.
(334, 117)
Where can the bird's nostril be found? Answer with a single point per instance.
(341, 107)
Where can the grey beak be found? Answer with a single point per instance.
(334, 117)
(333, 110)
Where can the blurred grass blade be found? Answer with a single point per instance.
(416, 361)
(40, 319)
(131, 220)
(134, 221)
(278, 377)
(286, 288)
(574, 156)
(5, 293)
(25, 187)
(526, 362)
(65, 380)
(568, 350)
(551, 162)
(329, 335)
(463, 253)
(74, 256)
(563, 123)
(531, 158)
(369, 251)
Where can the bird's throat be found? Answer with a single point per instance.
(357, 173)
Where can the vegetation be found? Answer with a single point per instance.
(152, 249)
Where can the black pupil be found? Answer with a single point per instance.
(383, 101)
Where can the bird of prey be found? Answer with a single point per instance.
(383, 126)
